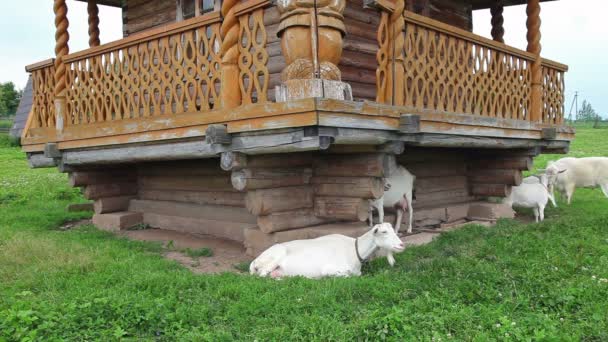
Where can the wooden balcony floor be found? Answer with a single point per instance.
(345, 122)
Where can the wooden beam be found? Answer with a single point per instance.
(51, 150)
(217, 134)
(409, 123)
(38, 160)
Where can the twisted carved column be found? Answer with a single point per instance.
(398, 41)
(498, 30)
(61, 44)
(93, 11)
(230, 92)
(533, 24)
(61, 50)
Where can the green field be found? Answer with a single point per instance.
(6, 124)
(544, 281)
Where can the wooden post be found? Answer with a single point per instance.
(230, 92)
(93, 11)
(498, 30)
(398, 43)
(533, 25)
(61, 50)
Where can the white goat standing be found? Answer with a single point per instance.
(542, 179)
(530, 194)
(398, 188)
(567, 174)
(330, 255)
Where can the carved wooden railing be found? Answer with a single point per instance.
(553, 92)
(447, 69)
(43, 107)
(167, 71)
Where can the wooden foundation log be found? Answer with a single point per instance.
(266, 201)
(253, 179)
(96, 191)
(493, 176)
(342, 208)
(359, 187)
(83, 178)
(188, 168)
(112, 204)
(491, 190)
(217, 134)
(287, 220)
(356, 165)
(521, 163)
(233, 161)
(207, 183)
(433, 184)
(233, 198)
(181, 209)
(38, 160)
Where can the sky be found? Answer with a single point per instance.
(574, 32)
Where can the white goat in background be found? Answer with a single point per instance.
(398, 189)
(531, 194)
(567, 174)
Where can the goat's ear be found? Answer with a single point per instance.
(562, 171)
(375, 230)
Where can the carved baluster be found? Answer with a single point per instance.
(230, 93)
(93, 11)
(61, 50)
(533, 25)
(498, 30)
(398, 43)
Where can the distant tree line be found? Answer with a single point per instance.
(9, 99)
(588, 114)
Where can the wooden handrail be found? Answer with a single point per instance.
(40, 65)
(554, 65)
(250, 5)
(207, 19)
(466, 35)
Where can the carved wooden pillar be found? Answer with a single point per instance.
(61, 50)
(398, 43)
(533, 25)
(311, 33)
(93, 11)
(498, 30)
(230, 92)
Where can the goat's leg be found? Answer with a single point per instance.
(381, 213)
(536, 214)
(605, 189)
(398, 219)
(570, 193)
(410, 211)
(541, 212)
(371, 216)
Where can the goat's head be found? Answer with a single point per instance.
(386, 238)
(552, 172)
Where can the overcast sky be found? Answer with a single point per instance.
(574, 33)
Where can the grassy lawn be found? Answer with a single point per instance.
(6, 124)
(511, 282)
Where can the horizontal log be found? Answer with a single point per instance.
(253, 179)
(112, 204)
(228, 230)
(83, 178)
(359, 187)
(342, 208)
(440, 184)
(415, 155)
(392, 147)
(356, 165)
(491, 190)
(38, 161)
(494, 176)
(237, 161)
(181, 209)
(96, 191)
(235, 199)
(437, 168)
(287, 220)
(209, 183)
(266, 201)
(166, 151)
(520, 163)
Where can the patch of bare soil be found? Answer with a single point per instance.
(74, 224)
(226, 254)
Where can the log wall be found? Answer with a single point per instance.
(140, 15)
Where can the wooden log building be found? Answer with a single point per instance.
(261, 121)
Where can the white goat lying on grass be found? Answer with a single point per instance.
(330, 255)
(531, 194)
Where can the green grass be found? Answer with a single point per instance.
(512, 282)
(6, 123)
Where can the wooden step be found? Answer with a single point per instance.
(114, 222)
